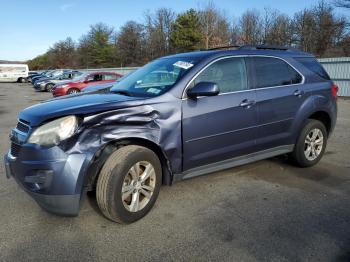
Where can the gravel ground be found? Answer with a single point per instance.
(265, 211)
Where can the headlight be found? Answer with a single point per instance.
(54, 132)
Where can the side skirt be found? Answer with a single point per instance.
(232, 162)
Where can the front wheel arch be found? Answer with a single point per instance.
(102, 155)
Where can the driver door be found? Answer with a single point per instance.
(221, 127)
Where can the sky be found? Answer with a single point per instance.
(29, 28)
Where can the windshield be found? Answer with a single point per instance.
(155, 78)
(81, 77)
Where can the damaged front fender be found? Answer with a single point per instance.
(155, 125)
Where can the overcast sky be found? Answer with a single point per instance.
(29, 28)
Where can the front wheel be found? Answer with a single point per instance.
(311, 144)
(129, 184)
(49, 87)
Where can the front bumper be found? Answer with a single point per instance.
(39, 87)
(59, 92)
(54, 179)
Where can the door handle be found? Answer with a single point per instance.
(247, 103)
(298, 93)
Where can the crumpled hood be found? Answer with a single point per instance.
(81, 104)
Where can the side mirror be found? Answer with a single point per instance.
(203, 89)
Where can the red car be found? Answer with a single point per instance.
(88, 79)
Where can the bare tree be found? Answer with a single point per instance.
(251, 27)
(158, 30)
(214, 26)
(130, 42)
(280, 31)
(342, 3)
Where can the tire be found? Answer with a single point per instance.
(21, 80)
(73, 91)
(48, 87)
(116, 175)
(301, 155)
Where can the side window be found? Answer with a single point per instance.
(270, 72)
(313, 65)
(90, 78)
(229, 74)
(109, 77)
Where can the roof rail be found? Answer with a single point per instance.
(224, 47)
(266, 47)
(254, 47)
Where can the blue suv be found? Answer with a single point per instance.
(177, 117)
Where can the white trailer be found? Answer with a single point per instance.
(13, 72)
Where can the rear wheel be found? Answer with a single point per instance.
(129, 183)
(311, 144)
(21, 80)
(73, 91)
(49, 87)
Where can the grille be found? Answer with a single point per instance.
(15, 149)
(22, 127)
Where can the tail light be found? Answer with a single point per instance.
(334, 90)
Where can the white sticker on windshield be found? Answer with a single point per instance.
(153, 91)
(184, 65)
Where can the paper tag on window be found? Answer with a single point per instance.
(182, 64)
(153, 91)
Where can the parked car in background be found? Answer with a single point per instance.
(47, 84)
(49, 75)
(32, 74)
(13, 73)
(86, 80)
(211, 110)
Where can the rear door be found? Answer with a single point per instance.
(279, 94)
(220, 127)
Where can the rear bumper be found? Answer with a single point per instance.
(55, 180)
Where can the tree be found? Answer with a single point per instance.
(63, 54)
(342, 3)
(214, 26)
(130, 42)
(251, 28)
(280, 31)
(96, 48)
(186, 35)
(158, 28)
(39, 62)
(319, 29)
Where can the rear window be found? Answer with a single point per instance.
(270, 72)
(314, 66)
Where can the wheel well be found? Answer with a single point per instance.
(102, 155)
(73, 88)
(324, 118)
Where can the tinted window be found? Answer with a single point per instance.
(314, 66)
(229, 74)
(94, 78)
(271, 72)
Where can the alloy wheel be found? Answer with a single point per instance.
(138, 186)
(313, 144)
